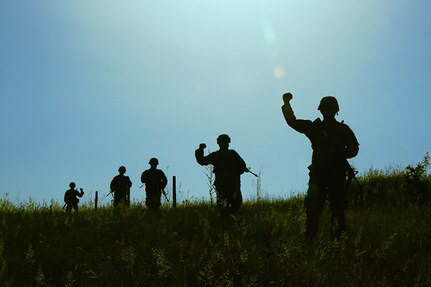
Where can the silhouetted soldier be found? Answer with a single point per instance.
(120, 186)
(227, 167)
(333, 143)
(71, 198)
(155, 181)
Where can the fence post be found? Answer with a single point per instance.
(174, 191)
(95, 200)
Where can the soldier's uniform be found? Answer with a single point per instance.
(155, 181)
(333, 143)
(120, 186)
(227, 167)
(71, 198)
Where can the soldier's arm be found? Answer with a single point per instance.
(112, 185)
(129, 182)
(352, 146)
(144, 177)
(301, 126)
(200, 158)
(80, 194)
(164, 180)
(242, 167)
(287, 110)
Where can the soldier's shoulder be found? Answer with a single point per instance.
(344, 125)
(346, 128)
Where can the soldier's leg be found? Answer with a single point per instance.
(221, 199)
(157, 202)
(313, 203)
(117, 198)
(124, 198)
(236, 197)
(128, 198)
(152, 201)
(338, 204)
(148, 199)
(75, 215)
(68, 211)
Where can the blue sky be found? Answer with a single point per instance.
(87, 86)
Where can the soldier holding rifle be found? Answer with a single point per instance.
(155, 182)
(333, 143)
(228, 167)
(120, 187)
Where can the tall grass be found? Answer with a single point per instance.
(388, 243)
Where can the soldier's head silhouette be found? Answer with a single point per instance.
(72, 185)
(122, 169)
(328, 106)
(153, 162)
(223, 141)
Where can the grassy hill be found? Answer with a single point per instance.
(388, 242)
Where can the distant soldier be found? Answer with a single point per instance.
(228, 167)
(120, 186)
(155, 182)
(71, 198)
(333, 143)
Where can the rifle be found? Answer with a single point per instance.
(164, 193)
(249, 171)
(110, 192)
(351, 175)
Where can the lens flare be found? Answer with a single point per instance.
(279, 73)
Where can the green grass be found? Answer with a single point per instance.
(388, 243)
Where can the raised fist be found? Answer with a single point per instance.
(202, 146)
(287, 97)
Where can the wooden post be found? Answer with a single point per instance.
(96, 199)
(174, 191)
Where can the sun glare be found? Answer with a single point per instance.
(279, 73)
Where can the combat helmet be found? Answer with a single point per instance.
(223, 138)
(329, 103)
(153, 161)
(122, 169)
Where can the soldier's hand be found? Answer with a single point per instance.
(202, 146)
(81, 190)
(287, 97)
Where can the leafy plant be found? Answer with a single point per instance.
(415, 177)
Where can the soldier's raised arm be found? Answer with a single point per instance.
(199, 155)
(80, 194)
(287, 110)
(302, 126)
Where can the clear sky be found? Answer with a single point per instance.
(87, 86)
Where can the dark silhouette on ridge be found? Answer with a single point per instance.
(120, 187)
(333, 143)
(71, 198)
(155, 181)
(228, 167)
